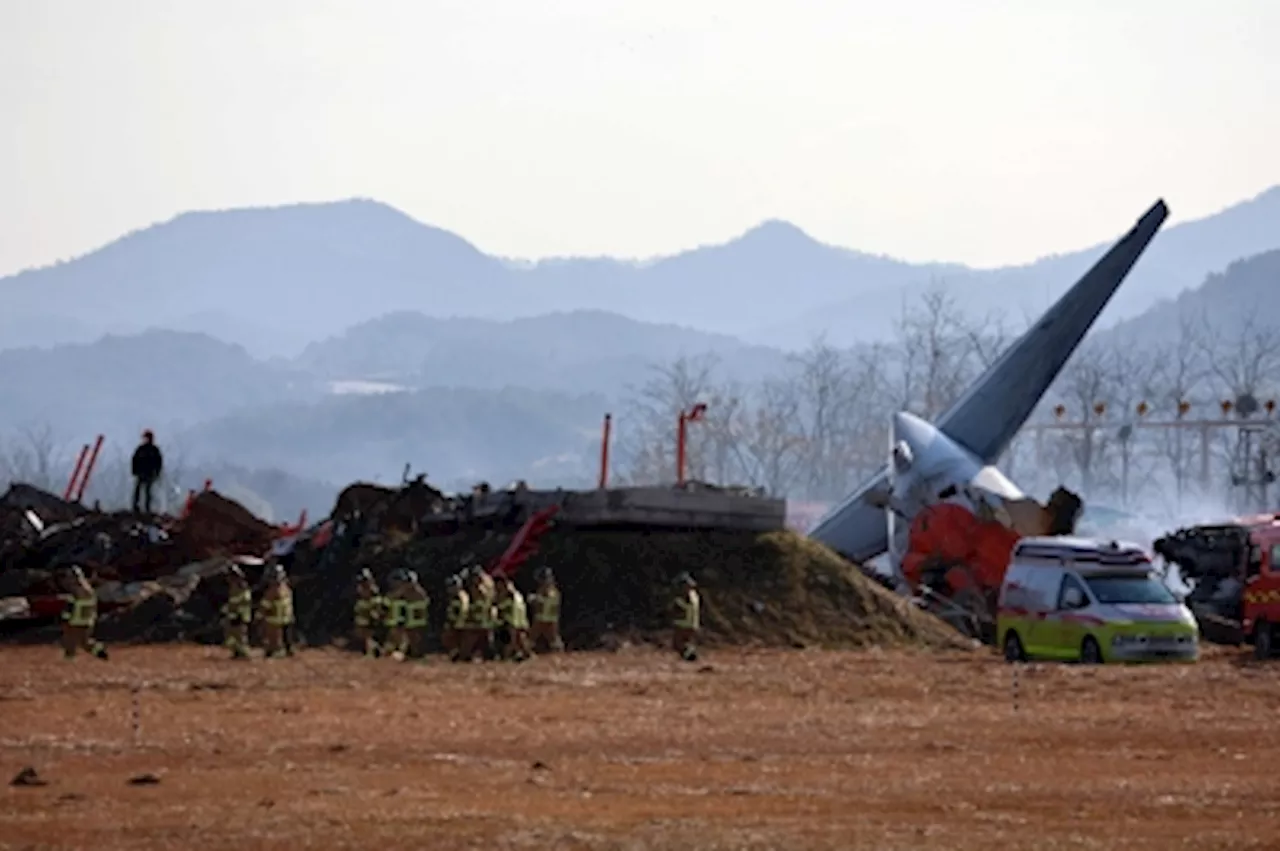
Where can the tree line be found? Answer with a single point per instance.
(820, 427)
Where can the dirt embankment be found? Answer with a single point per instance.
(775, 589)
(162, 580)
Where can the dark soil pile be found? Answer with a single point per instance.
(775, 589)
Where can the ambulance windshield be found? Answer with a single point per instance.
(1111, 590)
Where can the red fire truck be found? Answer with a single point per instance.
(1234, 569)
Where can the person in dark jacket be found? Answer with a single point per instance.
(147, 466)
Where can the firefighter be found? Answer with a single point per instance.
(417, 602)
(79, 617)
(276, 609)
(488, 609)
(455, 619)
(686, 623)
(406, 614)
(478, 636)
(513, 620)
(545, 604)
(394, 614)
(237, 613)
(368, 612)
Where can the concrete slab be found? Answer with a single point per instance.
(693, 507)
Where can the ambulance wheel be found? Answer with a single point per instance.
(1090, 652)
(1013, 651)
(1262, 636)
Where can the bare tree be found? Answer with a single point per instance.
(712, 442)
(941, 350)
(935, 348)
(1242, 358)
(767, 444)
(1180, 374)
(647, 429)
(1086, 382)
(821, 427)
(838, 412)
(1133, 378)
(33, 457)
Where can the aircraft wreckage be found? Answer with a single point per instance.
(946, 516)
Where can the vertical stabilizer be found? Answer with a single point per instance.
(985, 419)
(989, 414)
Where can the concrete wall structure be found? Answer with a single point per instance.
(692, 507)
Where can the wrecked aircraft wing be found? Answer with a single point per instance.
(987, 416)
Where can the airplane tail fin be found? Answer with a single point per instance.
(985, 419)
(1000, 402)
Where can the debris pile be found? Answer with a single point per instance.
(143, 571)
(164, 579)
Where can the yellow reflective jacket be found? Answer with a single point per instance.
(546, 606)
(415, 613)
(239, 607)
(81, 609)
(456, 617)
(480, 610)
(368, 610)
(277, 605)
(512, 611)
(687, 607)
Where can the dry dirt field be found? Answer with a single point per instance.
(748, 749)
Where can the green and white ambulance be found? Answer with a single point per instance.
(1091, 601)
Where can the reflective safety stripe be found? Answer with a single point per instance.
(519, 612)
(280, 610)
(688, 606)
(415, 614)
(395, 612)
(367, 610)
(480, 613)
(84, 611)
(239, 606)
(457, 614)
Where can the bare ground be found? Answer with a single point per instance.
(633, 750)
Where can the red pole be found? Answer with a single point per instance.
(681, 425)
(604, 452)
(75, 474)
(208, 484)
(88, 470)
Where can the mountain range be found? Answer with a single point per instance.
(238, 369)
(275, 280)
(577, 351)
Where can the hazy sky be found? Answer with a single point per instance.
(970, 130)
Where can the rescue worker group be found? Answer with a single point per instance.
(485, 618)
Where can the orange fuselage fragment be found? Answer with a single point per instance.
(975, 551)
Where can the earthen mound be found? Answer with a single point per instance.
(774, 589)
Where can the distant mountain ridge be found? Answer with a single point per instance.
(577, 351)
(276, 279)
(161, 379)
(511, 398)
(1178, 260)
(1242, 299)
